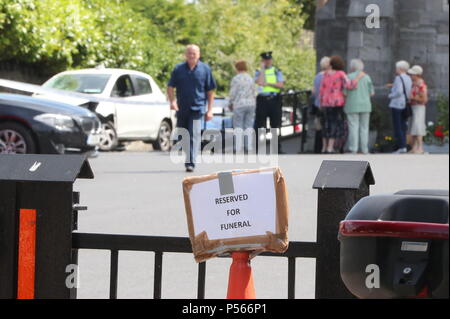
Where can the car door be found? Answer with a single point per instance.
(131, 119)
(157, 109)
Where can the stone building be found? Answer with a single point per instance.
(412, 30)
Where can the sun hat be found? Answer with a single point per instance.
(416, 70)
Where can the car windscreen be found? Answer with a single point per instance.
(82, 83)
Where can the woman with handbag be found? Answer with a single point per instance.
(418, 100)
(400, 91)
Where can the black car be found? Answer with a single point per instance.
(35, 125)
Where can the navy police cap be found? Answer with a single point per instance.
(266, 55)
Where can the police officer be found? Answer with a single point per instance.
(268, 102)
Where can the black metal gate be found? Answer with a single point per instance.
(340, 185)
(161, 245)
(55, 244)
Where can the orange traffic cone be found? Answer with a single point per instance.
(240, 283)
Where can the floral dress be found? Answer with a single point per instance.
(332, 88)
(418, 90)
(417, 126)
(332, 101)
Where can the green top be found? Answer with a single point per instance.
(358, 100)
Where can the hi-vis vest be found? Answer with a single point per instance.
(271, 77)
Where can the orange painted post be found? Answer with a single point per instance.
(240, 283)
(27, 254)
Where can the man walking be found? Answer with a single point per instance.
(268, 102)
(194, 85)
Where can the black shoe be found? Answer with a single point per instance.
(189, 169)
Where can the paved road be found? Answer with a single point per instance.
(140, 193)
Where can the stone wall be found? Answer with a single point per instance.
(412, 30)
(422, 38)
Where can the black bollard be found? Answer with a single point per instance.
(36, 223)
(340, 185)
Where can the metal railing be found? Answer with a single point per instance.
(161, 245)
(299, 101)
(340, 185)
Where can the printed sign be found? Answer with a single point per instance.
(241, 210)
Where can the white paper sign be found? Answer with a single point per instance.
(249, 211)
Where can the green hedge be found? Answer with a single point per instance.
(150, 35)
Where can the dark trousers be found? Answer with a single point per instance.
(332, 122)
(268, 107)
(193, 122)
(400, 128)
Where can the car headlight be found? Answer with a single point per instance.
(58, 121)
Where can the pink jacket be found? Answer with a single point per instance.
(332, 88)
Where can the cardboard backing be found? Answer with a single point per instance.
(204, 248)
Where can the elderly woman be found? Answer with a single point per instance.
(324, 67)
(400, 91)
(358, 107)
(242, 101)
(332, 101)
(418, 100)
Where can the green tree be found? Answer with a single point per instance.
(175, 19)
(150, 35)
(242, 29)
(129, 40)
(64, 34)
(307, 11)
(54, 34)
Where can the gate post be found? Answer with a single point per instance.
(36, 223)
(340, 185)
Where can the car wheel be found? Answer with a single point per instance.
(108, 139)
(16, 139)
(164, 142)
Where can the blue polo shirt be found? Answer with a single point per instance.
(192, 86)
